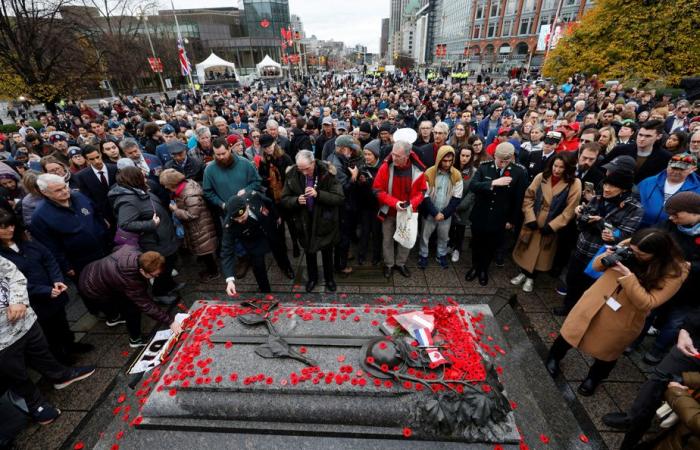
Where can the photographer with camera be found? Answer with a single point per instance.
(606, 219)
(640, 274)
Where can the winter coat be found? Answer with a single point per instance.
(651, 195)
(76, 235)
(200, 230)
(546, 205)
(594, 328)
(192, 169)
(685, 435)
(134, 210)
(41, 270)
(319, 228)
(454, 193)
(464, 209)
(13, 291)
(409, 188)
(495, 206)
(117, 276)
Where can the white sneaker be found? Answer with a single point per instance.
(455, 256)
(528, 285)
(518, 280)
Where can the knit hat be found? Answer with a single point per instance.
(623, 180)
(687, 201)
(266, 140)
(386, 126)
(233, 138)
(374, 146)
(346, 141)
(365, 127)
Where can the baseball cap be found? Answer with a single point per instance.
(342, 125)
(503, 130)
(623, 163)
(552, 137)
(176, 147)
(327, 121)
(683, 161)
(167, 129)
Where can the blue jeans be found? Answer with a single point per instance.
(670, 320)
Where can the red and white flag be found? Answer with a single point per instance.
(185, 66)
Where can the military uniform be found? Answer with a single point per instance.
(494, 206)
(261, 233)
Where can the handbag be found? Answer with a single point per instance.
(406, 227)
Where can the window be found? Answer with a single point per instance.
(510, 7)
(507, 26)
(480, 11)
(570, 2)
(547, 4)
(477, 31)
(495, 7)
(491, 30)
(545, 20)
(525, 25)
(529, 5)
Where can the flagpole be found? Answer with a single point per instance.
(179, 37)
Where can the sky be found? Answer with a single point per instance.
(350, 21)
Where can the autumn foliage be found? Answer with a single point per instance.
(631, 40)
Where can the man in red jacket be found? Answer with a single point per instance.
(399, 183)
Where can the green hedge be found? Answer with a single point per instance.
(11, 127)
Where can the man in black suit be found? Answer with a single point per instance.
(499, 187)
(535, 162)
(95, 181)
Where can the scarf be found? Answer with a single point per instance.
(690, 231)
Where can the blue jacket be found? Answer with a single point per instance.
(38, 266)
(651, 195)
(163, 154)
(75, 235)
(483, 128)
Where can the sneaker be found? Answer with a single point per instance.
(136, 343)
(442, 260)
(499, 261)
(422, 262)
(528, 285)
(45, 414)
(561, 290)
(116, 321)
(76, 374)
(518, 280)
(455, 256)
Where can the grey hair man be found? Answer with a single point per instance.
(399, 185)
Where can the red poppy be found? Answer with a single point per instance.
(119, 435)
(370, 360)
(121, 398)
(513, 405)
(544, 438)
(114, 447)
(341, 358)
(583, 438)
(498, 447)
(506, 173)
(137, 421)
(407, 432)
(79, 445)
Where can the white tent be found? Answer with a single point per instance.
(268, 68)
(214, 65)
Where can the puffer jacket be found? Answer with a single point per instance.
(118, 275)
(200, 231)
(134, 210)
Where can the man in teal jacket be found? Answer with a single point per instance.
(228, 175)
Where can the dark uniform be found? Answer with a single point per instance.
(261, 233)
(493, 208)
(534, 162)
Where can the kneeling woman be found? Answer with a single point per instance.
(611, 313)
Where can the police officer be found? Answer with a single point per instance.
(253, 222)
(499, 187)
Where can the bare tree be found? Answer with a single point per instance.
(42, 54)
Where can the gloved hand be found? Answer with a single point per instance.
(546, 230)
(532, 225)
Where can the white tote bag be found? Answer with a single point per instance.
(406, 227)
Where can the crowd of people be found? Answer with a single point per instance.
(594, 184)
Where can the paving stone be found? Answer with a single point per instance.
(108, 351)
(597, 405)
(82, 395)
(623, 394)
(50, 436)
(613, 439)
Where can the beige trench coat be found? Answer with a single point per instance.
(594, 328)
(534, 251)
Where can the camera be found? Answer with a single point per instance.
(585, 217)
(621, 254)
